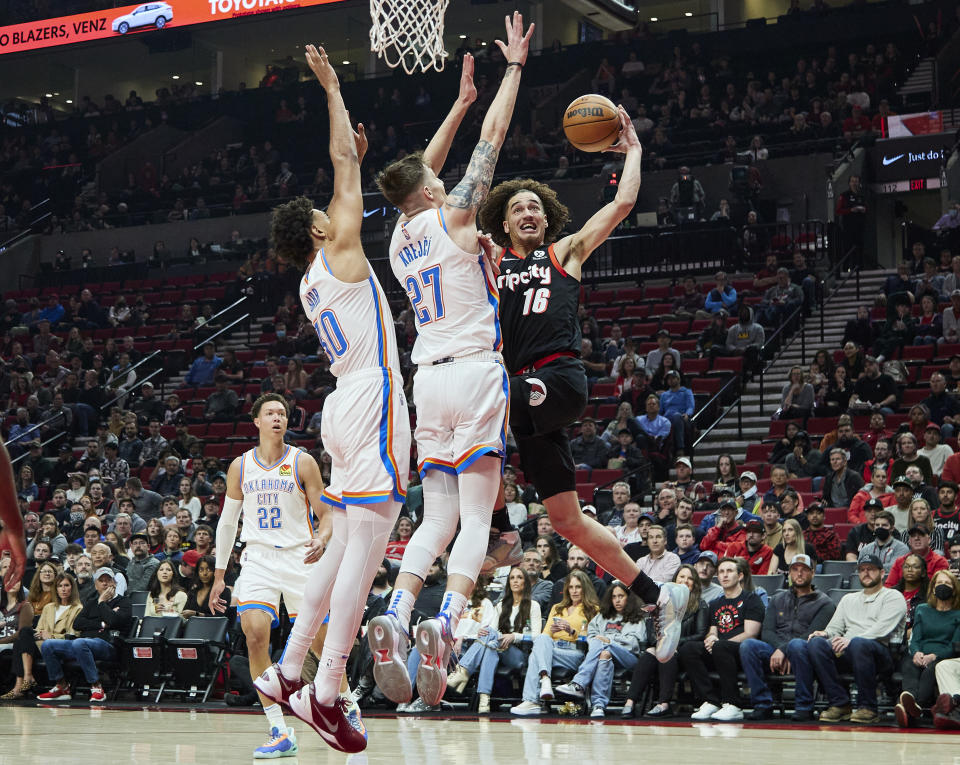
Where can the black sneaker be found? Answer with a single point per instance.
(759, 713)
(802, 715)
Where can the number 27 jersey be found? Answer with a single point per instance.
(538, 308)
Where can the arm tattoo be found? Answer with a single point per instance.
(475, 186)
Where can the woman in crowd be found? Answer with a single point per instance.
(16, 614)
(172, 541)
(853, 361)
(43, 587)
(49, 532)
(659, 380)
(913, 584)
(920, 515)
(824, 361)
(929, 324)
(119, 543)
(187, 499)
(556, 645)
(625, 377)
(155, 535)
(399, 539)
(198, 597)
(936, 627)
(623, 420)
(726, 475)
(791, 545)
(876, 489)
(56, 623)
(516, 618)
(553, 569)
(696, 622)
(796, 398)
(515, 508)
(615, 636)
(295, 378)
(166, 597)
(836, 397)
(784, 445)
(629, 531)
(78, 487)
(26, 485)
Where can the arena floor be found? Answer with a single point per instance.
(41, 736)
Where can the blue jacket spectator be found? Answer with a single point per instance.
(677, 405)
(53, 312)
(203, 368)
(721, 296)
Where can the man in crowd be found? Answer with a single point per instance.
(223, 404)
(909, 455)
(919, 542)
(858, 449)
(153, 444)
(864, 533)
(660, 565)
(772, 528)
(944, 409)
(727, 531)
(933, 449)
(203, 368)
(142, 564)
(686, 548)
(921, 489)
(886, 546)
(147, 503)
(113, 470)
(541, 589)
(882, 457)
(840, 485)
(824, 540)
(102, 555)
(683, 516)
(753, 549)
(706, 567)
(677, 405)
(685, 484)
(746, 337)
(588, 450)
(791, 616)
(780, 300)
(874, 391)
(947, 515)
(168, 480)
(662, 349)
(856, 640)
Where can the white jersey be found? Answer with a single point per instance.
(452, 291)
(275, 508)
(352, 320)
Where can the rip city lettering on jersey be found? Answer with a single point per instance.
(535, 272)
(415, 251)
(269, 484)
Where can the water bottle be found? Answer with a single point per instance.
(582, 637)
(527, 632)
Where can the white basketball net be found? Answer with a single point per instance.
(409, 33)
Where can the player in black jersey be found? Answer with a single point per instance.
(539, 284)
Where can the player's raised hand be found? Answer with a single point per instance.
(491, 252)
(518, 44)
(360, 139)
(468, 91)
(320, 65)
(628, 139)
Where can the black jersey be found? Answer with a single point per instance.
(538, 308)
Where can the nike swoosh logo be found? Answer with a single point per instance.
(380, 210)
(891, 160)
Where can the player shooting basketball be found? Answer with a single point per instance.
(539, 284)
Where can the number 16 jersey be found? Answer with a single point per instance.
(538, 308)
(452, 292)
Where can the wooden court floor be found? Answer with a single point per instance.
(44, 736)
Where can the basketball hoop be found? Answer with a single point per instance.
(409, 33)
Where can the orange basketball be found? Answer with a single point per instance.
(591, 122)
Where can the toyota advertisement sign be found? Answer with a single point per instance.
(905, 159)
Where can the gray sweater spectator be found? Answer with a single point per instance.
(148, 503)
(142, 564)
(588, 450)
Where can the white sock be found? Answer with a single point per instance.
(453, 605)
(275, 718)
(401, 604)
(326, 684)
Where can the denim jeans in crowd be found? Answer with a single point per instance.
(798, 654)
(755, 658)
(548, 653)
(483, 654)
(598, 673)
(677, 424)
(867, 659)
(84, 651)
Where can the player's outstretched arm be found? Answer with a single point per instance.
(435, 155)
(463, 201)
(312, 480)
(11, 536)
(573, 250)
(346, 206)
(226, 534)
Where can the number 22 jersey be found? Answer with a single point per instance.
(538, 308)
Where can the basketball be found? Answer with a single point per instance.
(591, 122)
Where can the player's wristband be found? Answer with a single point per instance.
(514, 63)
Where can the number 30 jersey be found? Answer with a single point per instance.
(538, 308)
(452, 292)
(352, 319)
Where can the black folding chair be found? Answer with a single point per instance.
(195, 658)
(143, 657)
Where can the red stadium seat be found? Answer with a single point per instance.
(758, 452)
(585, 491)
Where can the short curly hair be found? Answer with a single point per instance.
(290, 232)
(494, 209)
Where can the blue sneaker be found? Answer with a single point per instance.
(281, 744)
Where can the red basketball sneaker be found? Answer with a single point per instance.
(335, 725)
(274, 685)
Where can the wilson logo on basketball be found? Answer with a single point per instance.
(286, 471)
(585, 111)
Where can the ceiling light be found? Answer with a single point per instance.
(688, 14)
(176, 76)
(463, 37)
(345, 61)
(483, 44)
(198, 82)
(55, 93)
(48, 95)
(69, 100)
(654, 18)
